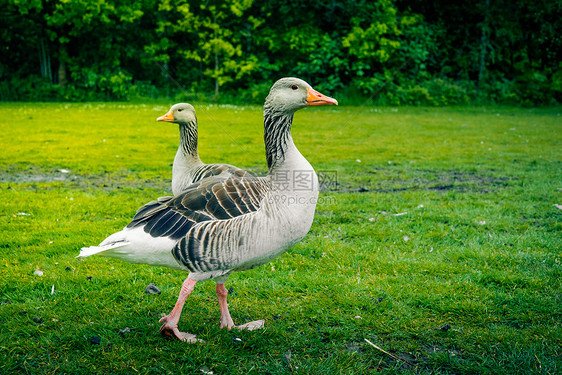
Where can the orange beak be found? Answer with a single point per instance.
(315, 98)
(167, 117)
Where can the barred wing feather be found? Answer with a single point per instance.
(210, 199)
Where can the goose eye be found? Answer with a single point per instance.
(294, 87)
(179, 110)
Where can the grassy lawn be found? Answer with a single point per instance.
(440, 244)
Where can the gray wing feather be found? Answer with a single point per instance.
(210, 199)
(211, 170)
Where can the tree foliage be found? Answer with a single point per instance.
(391, 51)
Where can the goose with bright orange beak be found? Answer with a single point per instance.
(218, 226)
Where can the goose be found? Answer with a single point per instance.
(188, 167)
(218, 226)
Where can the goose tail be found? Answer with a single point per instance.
(92, 250)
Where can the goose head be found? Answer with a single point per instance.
(181, 113)
(184, 115)
(290, 94)
(286, 96)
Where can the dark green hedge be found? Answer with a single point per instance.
(390, 52)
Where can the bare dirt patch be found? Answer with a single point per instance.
(393, 181)
(374, 180)
(33, 176)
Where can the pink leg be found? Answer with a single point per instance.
(170, 327)
(226, 320)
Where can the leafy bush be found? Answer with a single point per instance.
(392, 52)
(107, 85)
(445, 92)
(33, 88)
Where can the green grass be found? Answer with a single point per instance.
(483, 253)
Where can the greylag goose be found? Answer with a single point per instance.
(217, 226)
(188, 168)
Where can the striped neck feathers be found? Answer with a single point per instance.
(277, 133)
(188, 138)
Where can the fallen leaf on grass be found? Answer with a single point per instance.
(190, 338)
(445, 327)
(126, 330)
(152, 289)
(252, 326)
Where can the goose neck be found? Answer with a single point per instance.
(188, 140)
(277, 137)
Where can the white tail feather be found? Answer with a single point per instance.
(87, 251)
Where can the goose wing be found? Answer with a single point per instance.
(209, 199)
(211, 170)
